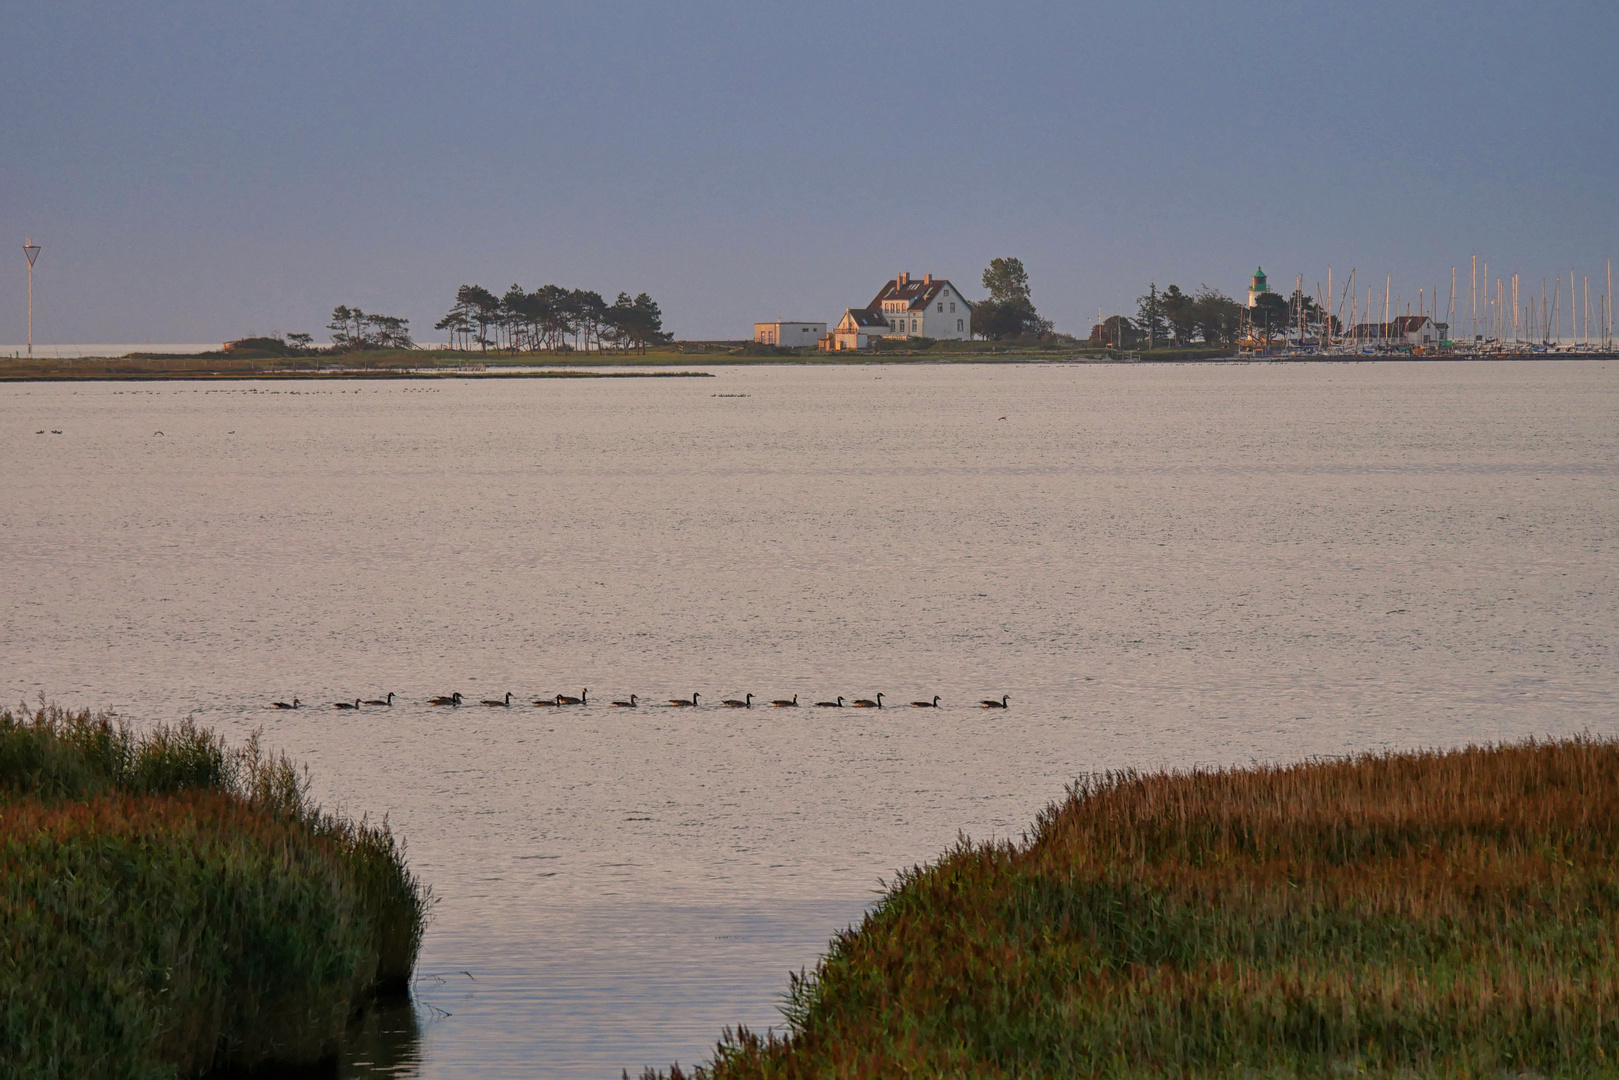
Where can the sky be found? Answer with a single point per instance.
(203, 171)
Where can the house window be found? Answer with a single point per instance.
(959, 327)
(941, 308)
(953, 308)
(913, 326)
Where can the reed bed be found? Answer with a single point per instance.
(1439, 914)
(174, 907)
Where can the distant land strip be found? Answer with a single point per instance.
(237, 376)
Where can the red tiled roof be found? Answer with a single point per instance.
(916, 294)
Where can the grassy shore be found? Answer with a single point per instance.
(1400, 915)
(171, 906)
(427, 363)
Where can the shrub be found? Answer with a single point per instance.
(172, 905)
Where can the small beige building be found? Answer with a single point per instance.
(793, 335)
(858, 329)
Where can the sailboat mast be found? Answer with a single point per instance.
(1450, 315)
(1472, 301)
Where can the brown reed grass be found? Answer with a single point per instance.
(1435, 914)
(173, 906)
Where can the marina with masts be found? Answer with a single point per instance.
(1484, 315)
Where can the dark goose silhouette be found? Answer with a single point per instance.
(496, 703)
(733, 703)
(284, 705)
(934, 704)
(451, 699)
(783, 703)
(630, 704)
(379, 701)
(991, 703)
(867, 703)
(682, 703)
(838, 704)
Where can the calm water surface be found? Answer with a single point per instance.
(1163, 566)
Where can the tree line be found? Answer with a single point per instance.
(552, 318)
(1209, 317)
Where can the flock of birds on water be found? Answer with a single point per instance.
(561, 701)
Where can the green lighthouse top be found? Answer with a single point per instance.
(1259, 280)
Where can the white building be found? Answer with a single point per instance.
(926, 308)
(858, 329)
(790, 334)
(1416, 330)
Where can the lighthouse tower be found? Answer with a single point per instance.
(1257, 287)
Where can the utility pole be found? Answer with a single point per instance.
(31, 250)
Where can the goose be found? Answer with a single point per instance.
(580, 700)
(838, 704)
(548, 701)
(682, 703)
(783, 703)
(991, 703)
(346, 705)
(630, 704)
(867, 703)
(379, 701)
(452, 699)
(934, 704)
(496, 703)
(733, 703)
(284, 705)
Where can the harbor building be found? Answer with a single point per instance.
(1415, 330)
(789, 334)
(905, 307)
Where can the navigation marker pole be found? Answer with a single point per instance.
(31, 250)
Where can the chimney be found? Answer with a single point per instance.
(927, 279)
(903, 280)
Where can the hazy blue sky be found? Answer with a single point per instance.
(198, 171)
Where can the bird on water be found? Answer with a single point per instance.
(838, 704)
(548, 700)
(991, 703)
(630, 704)
(733, 703)
(934, 704)
(682, 703)
(783, 703)
(379, 701)
(867, 703)
(449, 699)
(284, 705)
(496, 703)
(580, 700)
(346, 705)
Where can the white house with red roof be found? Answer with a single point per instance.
(906, 307)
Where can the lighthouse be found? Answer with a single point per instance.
(1257, 287)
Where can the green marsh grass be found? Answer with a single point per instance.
(1436, 914)
(172, 906)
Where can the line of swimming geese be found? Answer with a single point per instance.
(562, 701)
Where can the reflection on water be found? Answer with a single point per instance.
(387, 1041)
(1163, 566)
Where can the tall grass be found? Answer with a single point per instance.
(170, 905)
(1394, 915)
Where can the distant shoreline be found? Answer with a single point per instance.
(437, 365)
